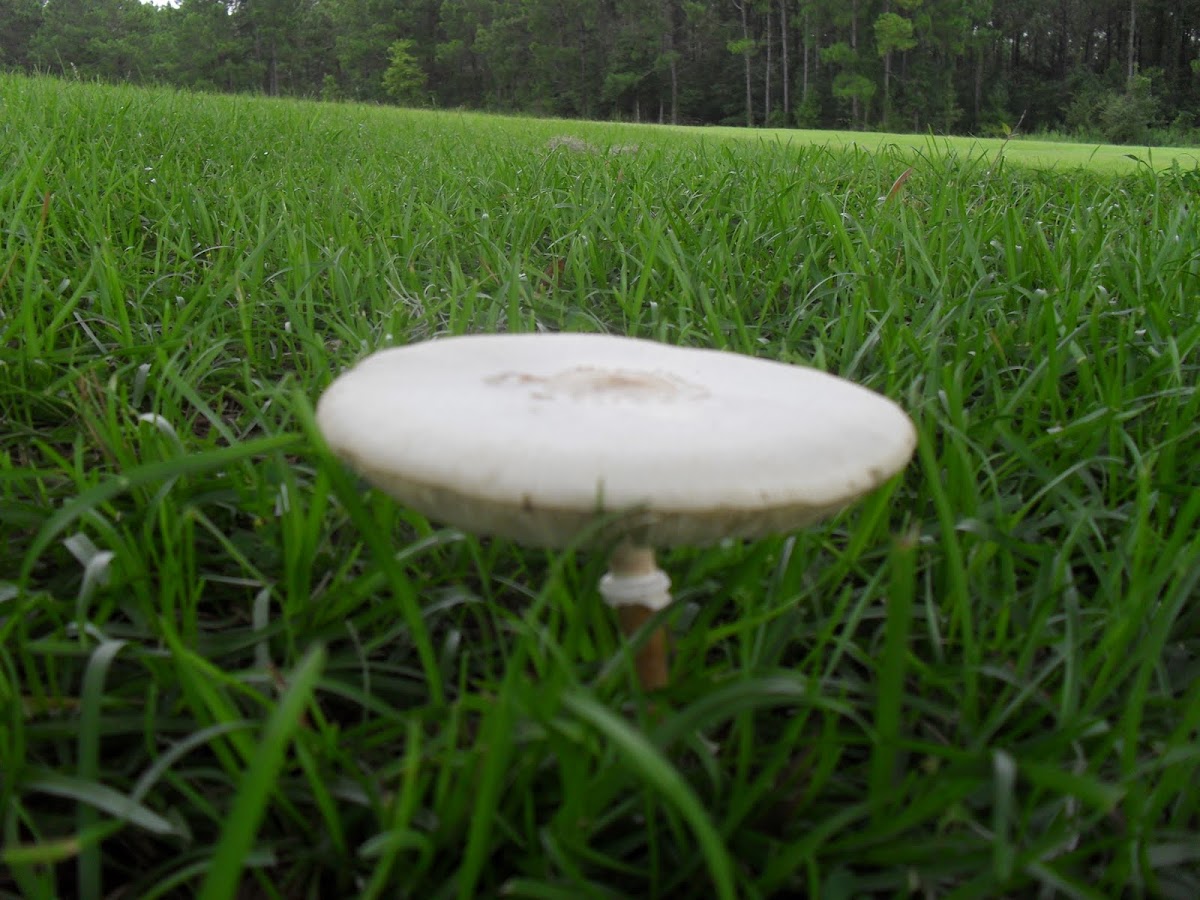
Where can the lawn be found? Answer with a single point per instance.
(1019, 150)
(230, 669)
(1023, 151)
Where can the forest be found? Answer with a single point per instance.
(1124, 71)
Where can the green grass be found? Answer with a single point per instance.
(1022, 151)
(224, 661)
(1019, 150)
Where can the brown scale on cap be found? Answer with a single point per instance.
(589, 382)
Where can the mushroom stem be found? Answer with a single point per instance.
(637, 588)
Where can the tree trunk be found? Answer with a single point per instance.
(978, 83)
(887, 85)
(674, 91)
(854, 47)
(886, 112)
(1132, 40)
(1183, 62)
(668, 40)
(767, 78)
(746, 56)
(804, 63)
(783, 39)
(1110, 31)
(584, 98)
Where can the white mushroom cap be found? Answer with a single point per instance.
(532, 436)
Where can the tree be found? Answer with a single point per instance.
(767, 45)
(786, 74)
(274, 28)
(952, 65)
(670, 56)
(849, 83)
(1127, 116)
(633, 51)
(207, 53)
(403, 79)
(852, 82)
(95, 38)
(745, 47)
(1132, 70)
(19, 22)
(892, 32)
(362, 31)
(568, 52)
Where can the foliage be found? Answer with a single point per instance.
(227, 668)
(892, 33)
(331, 91)
(403, 79)
(19, 22)
(849, 84)
(941, 65)
(1127, 117)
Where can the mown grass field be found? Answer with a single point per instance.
(1021, 151)
(228, 669)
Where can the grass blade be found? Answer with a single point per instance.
(250, 803)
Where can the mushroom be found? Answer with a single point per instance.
(537, 437)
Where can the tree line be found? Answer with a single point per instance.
(1118, 70)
